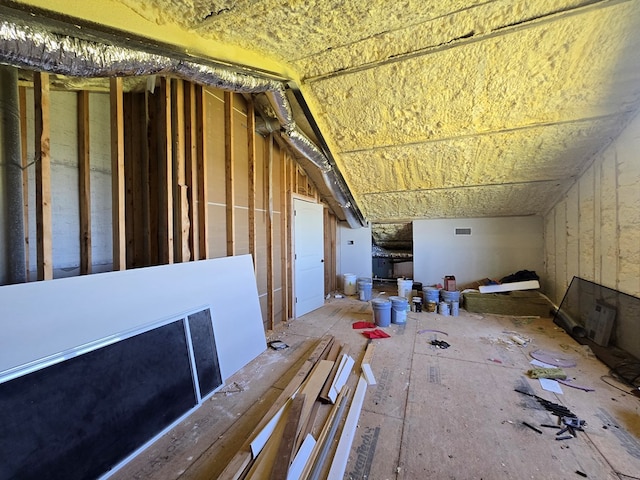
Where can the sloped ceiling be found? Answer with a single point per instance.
(439, 109)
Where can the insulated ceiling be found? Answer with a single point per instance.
(432, 109)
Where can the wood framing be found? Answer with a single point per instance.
(43, 176)
(191, 168)
(229, 157)
(22, 99)
(165, 175)
(182, 251)
(269, 226)
(117, 175)
(251, 147)
(84, 181)
(201, 161)
(284, 245)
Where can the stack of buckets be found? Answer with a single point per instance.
(365, 287)
(399, 307)
(450, 302)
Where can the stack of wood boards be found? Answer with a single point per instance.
(283, 444)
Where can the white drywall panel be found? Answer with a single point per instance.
(355, 251)
(41, 319)
(495, 248)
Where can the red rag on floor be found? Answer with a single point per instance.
(376, 334)
(364, 325)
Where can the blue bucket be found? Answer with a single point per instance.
(364, 290)
(431, 294)
(399, 306)
(450, 296)
(381, 311)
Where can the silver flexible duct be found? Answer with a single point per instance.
(34, 47)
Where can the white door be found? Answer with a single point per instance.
(308, 256)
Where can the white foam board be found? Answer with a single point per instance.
(42, 319)
(510, 287)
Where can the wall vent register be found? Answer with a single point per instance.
(463, 231)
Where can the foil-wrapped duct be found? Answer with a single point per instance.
(35, 47)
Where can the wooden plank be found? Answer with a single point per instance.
(311, 389)
(152, 102)
(165, 175)
(282, 461)
(117, 175)
(341, 456)
(251, 147)
(365, 365)
(243, 458)
(289, 233)
(324, 394)
(43, 176)
(201, 161)
(180, 209)
(191, 168)
(324, 435)
(84, 177)
(129, 187)
(229, 157)
(269, 227)
(284, 246)
(22, 99)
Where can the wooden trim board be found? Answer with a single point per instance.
(341, 456)
(510, 287)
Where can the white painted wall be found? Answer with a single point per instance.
(64, 177)
(594, 231)
(497, 247)
(354, 246)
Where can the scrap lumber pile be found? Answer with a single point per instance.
(282, 445)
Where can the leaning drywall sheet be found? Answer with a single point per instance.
(41, 319)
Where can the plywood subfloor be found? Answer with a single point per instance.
(435, 413)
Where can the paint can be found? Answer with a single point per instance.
(417, 304)
(431, 306)
(450, 283)
(444, 309)
(455, 309)
(349, 284)
(399, 307)
(381, 312)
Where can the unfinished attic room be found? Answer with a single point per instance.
(320, 240)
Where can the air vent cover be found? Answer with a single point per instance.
(463, 231)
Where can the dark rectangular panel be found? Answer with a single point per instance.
(204, 351)
(79, 418)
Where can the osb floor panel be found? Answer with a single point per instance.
(434, 414)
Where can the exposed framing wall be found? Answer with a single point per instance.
(195, 182)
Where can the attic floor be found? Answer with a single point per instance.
(434, 413)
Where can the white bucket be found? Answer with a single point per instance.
(404, 288)
(349, 283)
